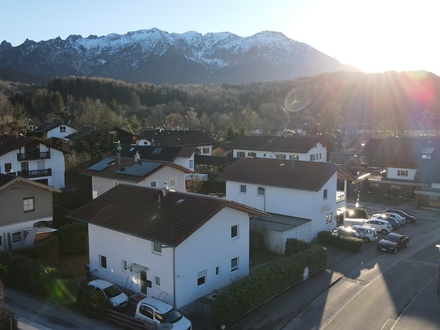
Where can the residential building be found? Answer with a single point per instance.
(405, 167)
(300, 193)
(32, 158)
(166, 138)
(292, 147)
(26, 209)
(112, 171)
(167, 244)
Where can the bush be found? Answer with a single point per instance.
(345, 242)
(295, 246)
(74, 238)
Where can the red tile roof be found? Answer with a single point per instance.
(135, 210)
(297, 174)
(14, 142)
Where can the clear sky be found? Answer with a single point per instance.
(373, 35)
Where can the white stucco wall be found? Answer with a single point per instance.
(56, 132)
(392, 173)
(209, 247)
(185, 162)
(297, 203)
(55, 162)
(319, 152)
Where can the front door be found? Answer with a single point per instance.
(143, 276)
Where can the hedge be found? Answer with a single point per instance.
(249, 292)
(345, 242)
(74, 238)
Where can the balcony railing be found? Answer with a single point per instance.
(340, 196)
(35, 173)
(33, 155)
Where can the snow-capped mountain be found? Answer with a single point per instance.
(159, 57)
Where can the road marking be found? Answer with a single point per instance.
(388, 324)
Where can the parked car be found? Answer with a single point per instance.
(155, 312)
(380, 225)
(117, 298)
(408, 217)
(396, 216)
(367, 234)
(349, 222)
(391, 220)
(345, 231)
(393, 242)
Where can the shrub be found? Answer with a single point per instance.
(345, 242)
(295, 246)
(73, 238)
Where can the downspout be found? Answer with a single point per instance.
(174, 276)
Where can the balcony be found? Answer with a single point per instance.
(35, 173)
(33, 155)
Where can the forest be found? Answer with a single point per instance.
(390, 103)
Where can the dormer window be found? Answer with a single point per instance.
(62, 129)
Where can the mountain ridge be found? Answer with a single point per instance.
(156, 56)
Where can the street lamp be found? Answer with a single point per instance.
(438, 274)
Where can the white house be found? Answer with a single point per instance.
(32, 158)
(292, 147)
(112, 171)
(302, 191)
(60, 131)
(172, 245)
(178, 138)
(26, 210)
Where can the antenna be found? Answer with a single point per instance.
(119, 153)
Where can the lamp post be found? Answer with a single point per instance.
(438, 273)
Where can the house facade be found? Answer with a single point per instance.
(178, 138)
(171, 245)
(26, 208)
(112, 171)
(33, 159)
(294, 147)
(303, 191)
(404, 167)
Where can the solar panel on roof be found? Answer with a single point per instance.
(139, 169)
(101, 165)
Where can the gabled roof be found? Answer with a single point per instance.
(214, 160)
(292, 143)
(301, 175)
(177, 138)
(13, 142)
(127, 169)
(135, 210)
(6, 180)
(155, 153)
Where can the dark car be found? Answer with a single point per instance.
(409, 217)
(393, 242)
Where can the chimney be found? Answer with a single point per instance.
(165, 189)
(137, 157)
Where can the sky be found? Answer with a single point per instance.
(372, 35)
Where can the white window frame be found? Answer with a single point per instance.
(234, 231)
(234, 264)
(102, 261)
(157, 247)
(28, 204)
(243, 189)
(153, 184)
(156, 281)
(202, 278)
(172, 182)
(16, 237)
(252, 154)
(261, 191)
(241, 154)
(325, 194)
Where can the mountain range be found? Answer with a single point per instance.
(159, 57)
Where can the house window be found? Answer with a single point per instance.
(28, 204)
(243, 189)
(157, 247)
(157, 281)
(281, 156)
(402, 172)
(191, 163)
(124, 265)
(374, 184)
(234, 265)
(172, 182)
(16, 237)
(103, 261)
(395, 186)
(241, 154)
(153, 184)
(433, 198)
(62, 129)
(217, 270)
(8, 167)
(260, 191)
(328, 218)
(234, 231)
(324, 194)
(205, 151)
(293, 157)
(201, 278)
(252, 154)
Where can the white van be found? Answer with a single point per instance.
(350, 222)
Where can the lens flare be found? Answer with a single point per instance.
(298, 99)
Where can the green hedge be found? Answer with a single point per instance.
(345, 242)
(74, 238)
(252, 291)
